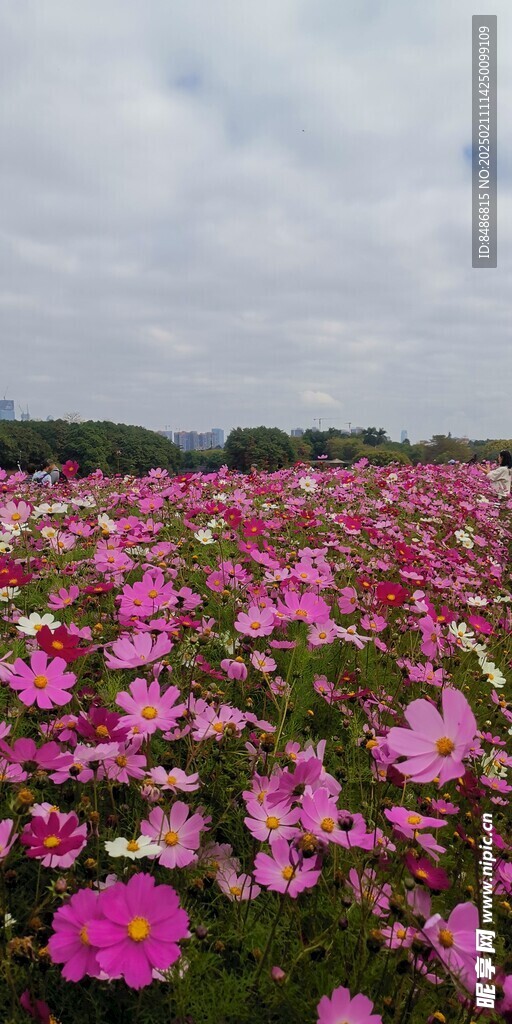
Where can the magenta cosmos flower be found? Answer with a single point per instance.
(286, 870)
(139, 929)
(435, 745)
(148, 709)
(70, 944)
(55, 839)
(44, 682)
(341, 1007)
(177, 834)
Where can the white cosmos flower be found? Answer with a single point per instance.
(9, 593)
(493, 674)
(306, 483)
(463, 635)
(204, 537)
(133, 849)
(476, 601)
(30, 625)
(106, 524)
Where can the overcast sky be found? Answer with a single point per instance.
(235, 212)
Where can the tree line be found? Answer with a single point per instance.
(120, 448)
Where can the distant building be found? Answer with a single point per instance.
(7, 409)
(25, 416)
(198, 441)
(165, 433)
(403, 436)
(297, 432)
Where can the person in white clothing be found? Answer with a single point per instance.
(501, 477)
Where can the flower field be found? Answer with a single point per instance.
(254, 748)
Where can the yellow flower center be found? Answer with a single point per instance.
(132, 846)
(327, 824)
(322, 636)
(421, 873)
(445, 746)
(15, 516)
(171, 838)
(218, 726)
(138, 929)
(288, 872)
(153, 593)
(255, 625)
(272, 822)
(40, 682)
(401, 933)
(83, 936)
(101, 730)
(50, 842)
(413, 819)
(301, 613)
(149, 712)
(235, 890)
(121, 760)
(445, 938)
(57, 645)
(171, 779)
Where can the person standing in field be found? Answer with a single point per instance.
(501, 477)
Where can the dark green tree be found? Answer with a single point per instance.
(268, 447)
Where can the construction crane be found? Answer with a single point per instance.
(324, 419)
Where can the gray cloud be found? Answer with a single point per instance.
(235, 213)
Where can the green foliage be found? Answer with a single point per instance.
(268, 447)
(207, 461)
(111, 447)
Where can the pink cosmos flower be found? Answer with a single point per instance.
(435, 745)
(55, 839)
(44, 682)
(127, 764)
(14, 513)
(261, 662)
(148, 709)
(256, 621)
(63, 598)
(7, 837)
(305, 607)
(454, 941)
(140, 926)
(70, 943)
(286, 870)
(236, 887)
(408, 822)
(367, 888)
(178, 834)
(175, 779)
(140, 650)
(269, 824)
(342, 1007)
(225, 721)
(234, 669)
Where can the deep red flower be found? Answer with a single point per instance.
(70, 469)
(60, 644)
(424, 872)
(392, 594)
